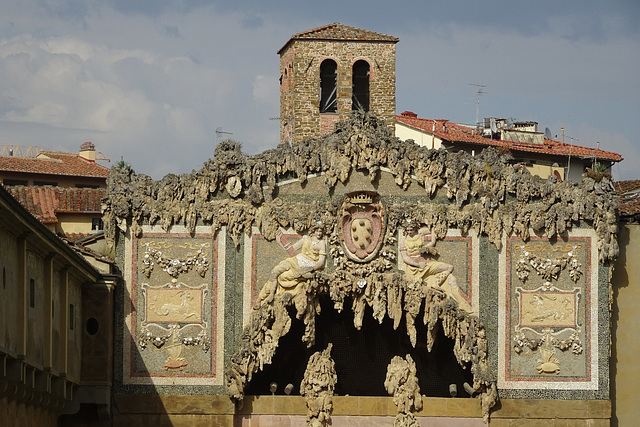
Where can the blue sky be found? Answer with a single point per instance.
(150, 81)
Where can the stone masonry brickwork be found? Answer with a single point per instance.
(300, 84)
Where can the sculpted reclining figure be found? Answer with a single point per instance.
(289, 273)
(414, 247)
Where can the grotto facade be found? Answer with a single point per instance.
(354, 277)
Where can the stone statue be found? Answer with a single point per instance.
(317, 387)
(402, 383)
(416, 248)
(307, 255)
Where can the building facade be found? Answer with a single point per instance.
(218, 307)
(62, 190)
(362, 280)
(55, 324)
(531, 149)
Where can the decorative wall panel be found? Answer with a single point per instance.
(549, 326)
(172, 302)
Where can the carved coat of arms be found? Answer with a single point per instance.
(362, 225)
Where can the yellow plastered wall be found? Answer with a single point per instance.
(625, 365)
(545, 171)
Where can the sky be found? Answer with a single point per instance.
(151, 81)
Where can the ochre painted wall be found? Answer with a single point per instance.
(625, 366)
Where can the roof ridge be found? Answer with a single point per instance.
(462, 134)
(338, 31)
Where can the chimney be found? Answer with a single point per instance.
(88, 151)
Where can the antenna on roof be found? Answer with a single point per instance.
(547, 133)
(570, 148)
(220, 132)
(479, 92)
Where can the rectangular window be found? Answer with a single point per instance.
(86, 186)
(97, 224)
(32, 293)
(328, 86)
(9, 182)
(43, 183)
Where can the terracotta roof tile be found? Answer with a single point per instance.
(629, 192)
(630, 206)
(625, 186)
(337, 31)
(45, 202)
(54, 163)
(452, 132)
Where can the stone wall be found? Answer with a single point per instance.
(352, 411)
(16, 413)
(300, 84)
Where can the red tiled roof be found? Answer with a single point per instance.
(629, 199)
(54, 163)
(453, 132)
(45, 202)
(625, 186)
(337, 31)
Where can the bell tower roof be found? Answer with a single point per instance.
(337, 31)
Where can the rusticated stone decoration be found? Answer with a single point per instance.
(317, 387)
(387, 294)
(402, 384)
(483, 193)
(488, 194)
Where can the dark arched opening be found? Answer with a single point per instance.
(328, 86)
(360, 86)
(361, 357)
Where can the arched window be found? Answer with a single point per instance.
(328, 85)
(360, 86)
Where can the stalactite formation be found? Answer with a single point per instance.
(317, 387)
(402, 383)
(487, 193)
(391, 296)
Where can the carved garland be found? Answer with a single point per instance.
(174, 267)
(547, 268)
(573, 342)
(158, 341)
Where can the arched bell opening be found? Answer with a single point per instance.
(361, 356)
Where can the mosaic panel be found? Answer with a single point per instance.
(548, 328)
(173, 321)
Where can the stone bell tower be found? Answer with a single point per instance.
(327, 72)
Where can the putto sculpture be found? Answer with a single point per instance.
(308, 255)
(417, 248)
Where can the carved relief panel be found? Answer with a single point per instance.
(548, 332)
(173, 318)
